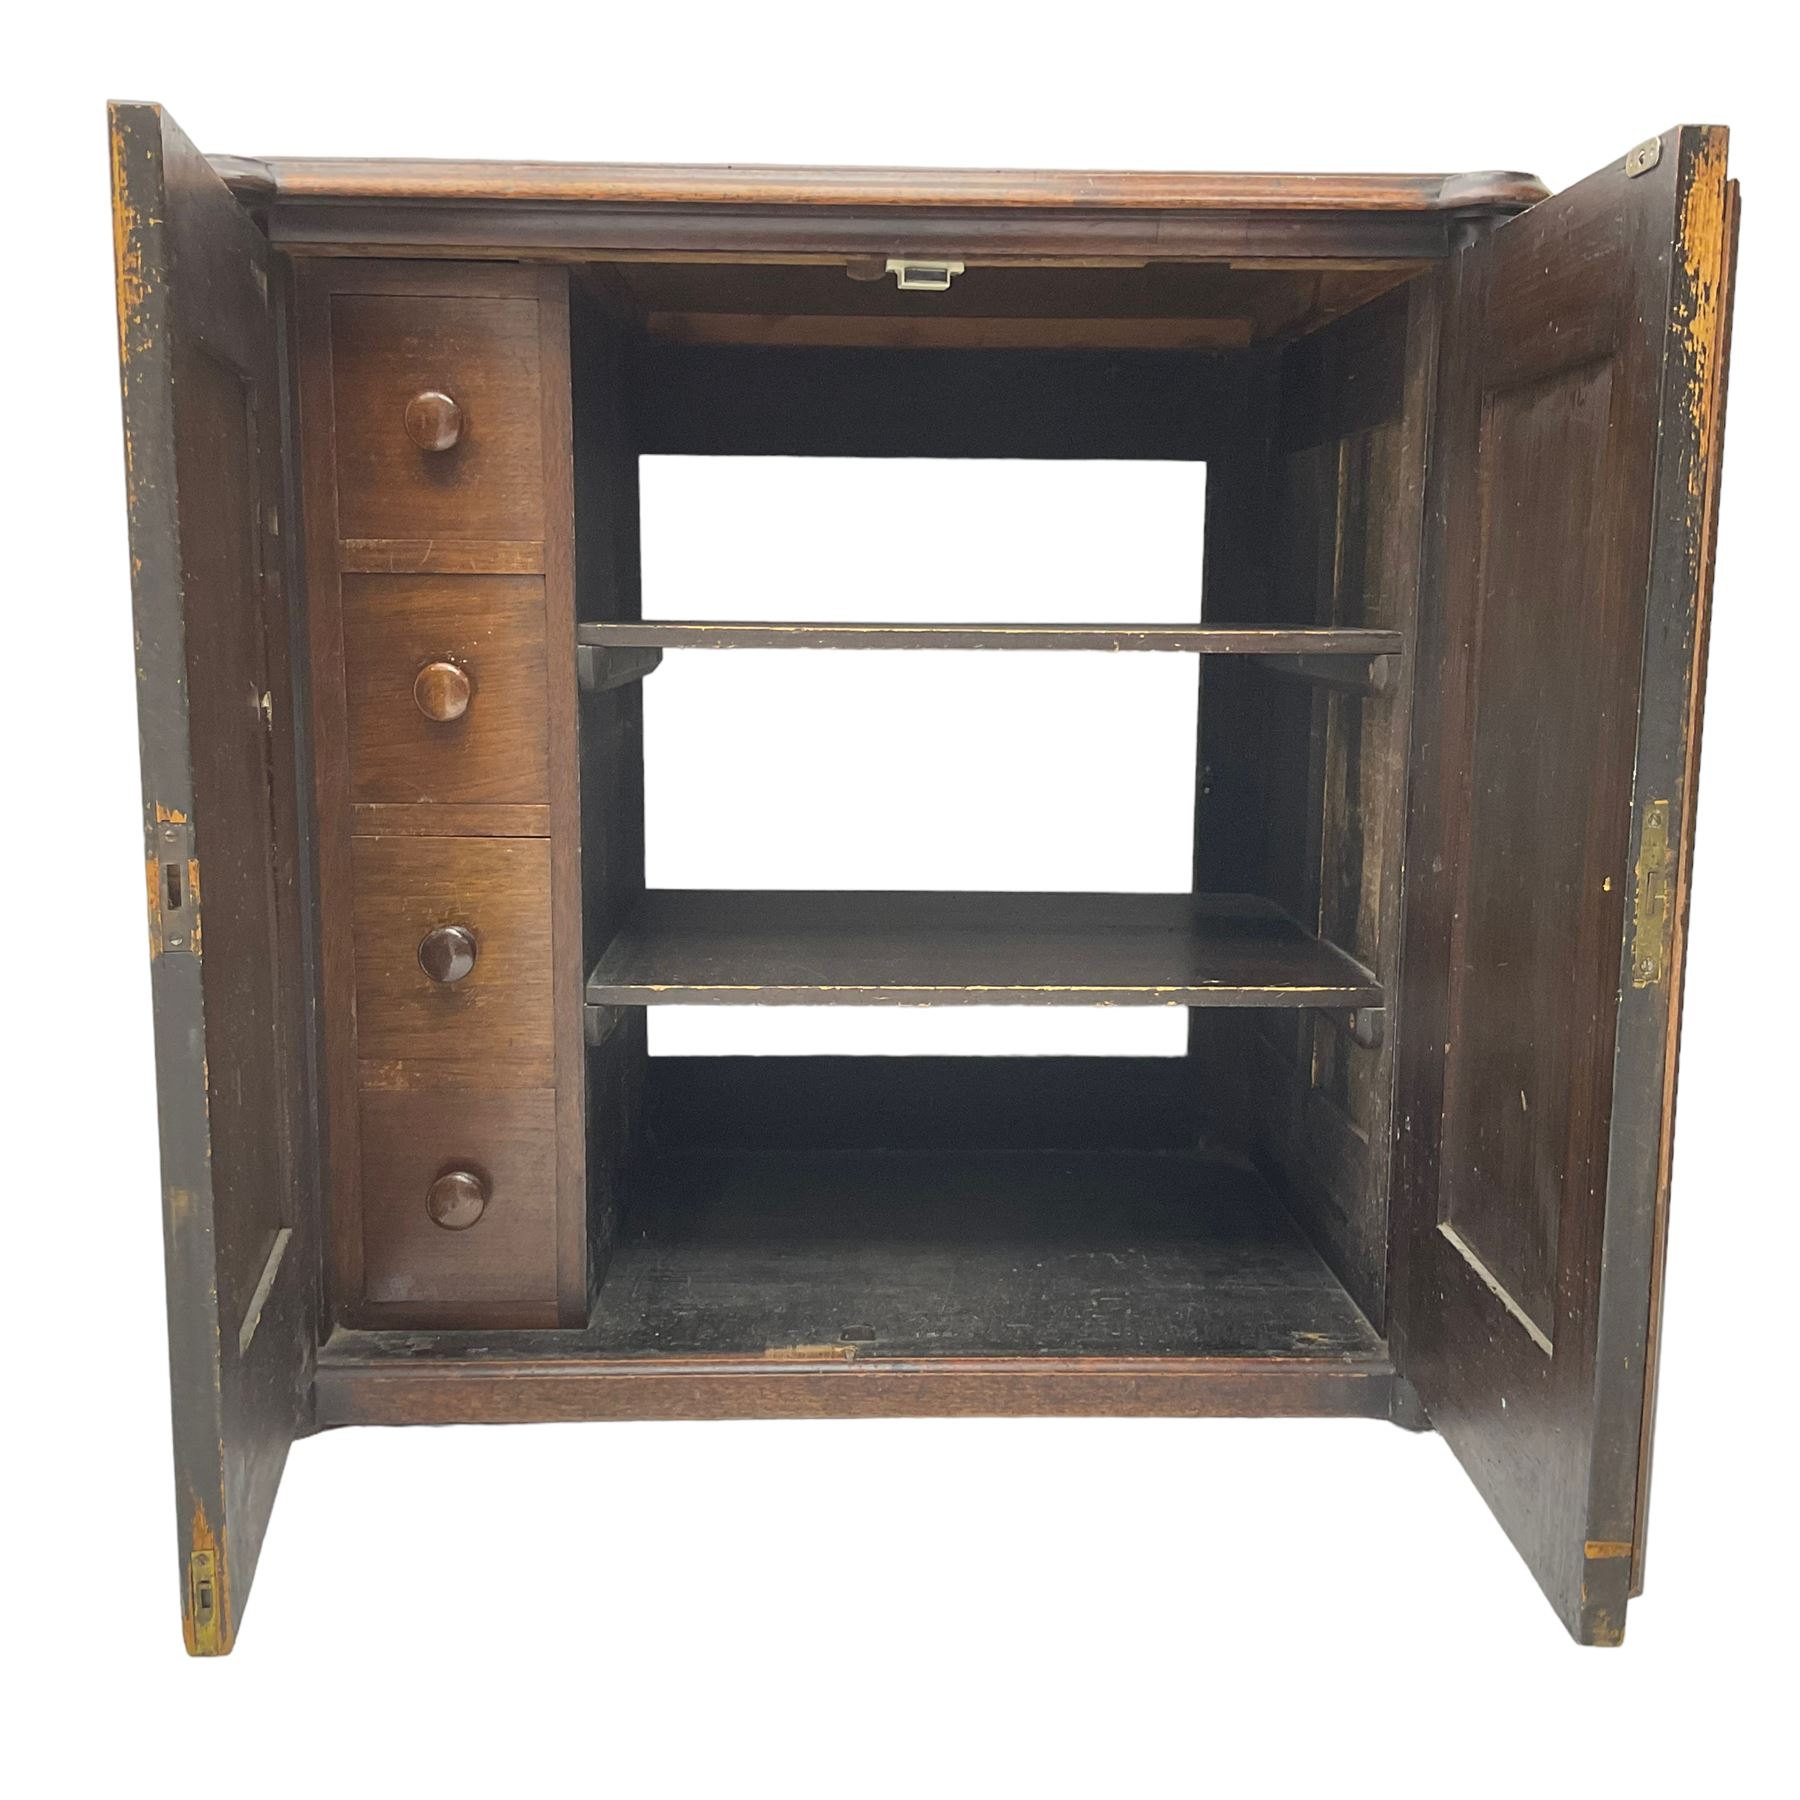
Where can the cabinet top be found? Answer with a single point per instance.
(747, 211)
(752, 184)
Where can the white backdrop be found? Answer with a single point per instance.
(875, 1608)
(929, 769)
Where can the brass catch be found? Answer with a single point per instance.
(1652, 916)
(174, 883)
(203, 1600)
(1644, 158)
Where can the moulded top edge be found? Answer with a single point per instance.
(288, 179)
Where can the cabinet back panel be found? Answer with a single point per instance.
(921, 1102)
(727, 400)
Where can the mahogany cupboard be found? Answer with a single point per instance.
(383, 426)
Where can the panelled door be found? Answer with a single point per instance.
(1570, 505)
(203, 431)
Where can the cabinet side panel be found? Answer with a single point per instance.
(1303, 788)
(338, 1122)
(608, 585)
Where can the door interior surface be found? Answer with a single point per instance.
(1571, 501)
(203, 428)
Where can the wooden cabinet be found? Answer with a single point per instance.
(1461, 437)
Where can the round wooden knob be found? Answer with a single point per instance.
(456, 1199)
(441, 692)
(447, 952)
(433, 420)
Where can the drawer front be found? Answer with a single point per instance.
(444, 680)
(438, 408)
(489, 1027)
(459, 1205)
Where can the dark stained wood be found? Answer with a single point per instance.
(1693, 524)
(751, 184)
(1134, 405)
(490, 1379)
(437, 819)
(494, 1028)
(1305, 791)
(1342, 675)
(568, 958)
(549, 209)
(924, 332)
(920, 1253)
(329, 745)
(498, 1268)
(794, 1103)
(204, 416)
(720, 947)
(556, 231)
(598, 671)
(1148, 305)
(526, 1226)
(609, 592)
(1348, 379)
(490, 633)
(465, 585)
(488, 480)
(436, 556)
(1583, 360)
(1200, 640)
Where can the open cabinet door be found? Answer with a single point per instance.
(1570, 506)
(203, 433)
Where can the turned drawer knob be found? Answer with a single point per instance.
(441, 692)
(456, 1199)
(447, 952)
(433, 420)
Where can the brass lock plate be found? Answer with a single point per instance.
(1652, 921)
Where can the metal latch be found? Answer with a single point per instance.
(203, 1599)
(1652, 919)
(174, 877)
(913, 275)
(1644, 158)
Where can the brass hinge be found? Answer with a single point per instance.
(174, 882)
(1652, 918)
(1644, 158)
(203, 1601)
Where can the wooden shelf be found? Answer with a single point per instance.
(1194, 640)
(685, 947)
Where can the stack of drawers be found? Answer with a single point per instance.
(434, 414)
